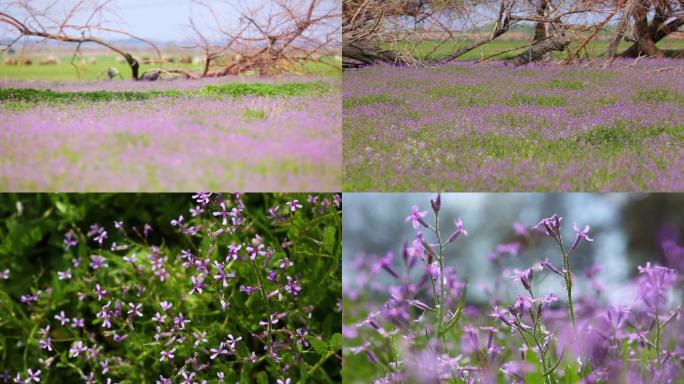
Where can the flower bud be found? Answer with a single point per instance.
(436, 203)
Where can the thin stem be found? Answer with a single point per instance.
(568, 285)
(316, 367)
(568, 278)
(442, 294)
(657, 335)
(268, 305)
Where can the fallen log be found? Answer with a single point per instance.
(537, 51)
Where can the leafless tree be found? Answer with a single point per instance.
(267, 36)
(70, 21)
(372, 28)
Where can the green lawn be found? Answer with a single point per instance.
(88, 72)
(595, 48)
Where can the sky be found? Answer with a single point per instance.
(156, 19)
(163, 20)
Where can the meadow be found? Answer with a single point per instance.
(233, 133)
(506, 48)
(66, 71)
(476, 127)
(170, 288)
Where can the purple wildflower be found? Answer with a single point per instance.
(180, 322)
(215, 352)
(135, 310)
(202, 198)
(459, 230)
(294, 205)
(63, 319)
(292, 287)
(100, 292)
(223, 213)
(66, 275)
(253, 252)
(165, 305)
(177, 222)
(33, 376)
(97, 262)
(221, 275)
(119, 338)
(77, 348)
(197, 284)
(583, 234)
(233, 252)
(159, 318)
(416, 217)
(550, 225)
(167, 355)
(77, 323)
(70, 240)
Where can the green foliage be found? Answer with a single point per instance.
(32, 229)
(438, 49)
(622, 133)
(465, 95)
(574, 85)
(254, 114)
(65, 71)
(29, 95)
(658, 95)
(264, 89)
(351, 102)
(518, 100)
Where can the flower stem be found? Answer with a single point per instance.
(440, 312)
(657, 335)
(568, 284)
(268, 304)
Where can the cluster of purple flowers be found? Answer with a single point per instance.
(423, 330)
(129, 295)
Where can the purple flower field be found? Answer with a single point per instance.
(414, 316)
(476, 127)
(171, 143)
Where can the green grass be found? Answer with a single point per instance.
(518, 100)
(658, 95)
(594, 48)
(254, 114)
(351, 102)
(465, 95)
(572, 85)
(329, 66)
(24, 97)
(263, 89)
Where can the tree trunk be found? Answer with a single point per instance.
(537, 51)
(656, 32)
(133, 63)
(540, 27)
(359, 54)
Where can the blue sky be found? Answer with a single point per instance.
(157, 19)
(160, 20)
(168, 19)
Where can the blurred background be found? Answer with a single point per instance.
(629, 230)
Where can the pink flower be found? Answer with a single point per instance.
(167, 355)
(459, 230)
(583, 234)
(416, 217)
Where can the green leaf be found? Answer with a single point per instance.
(319, 346)
(570, 375)
(262, 378)
(336, 342)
